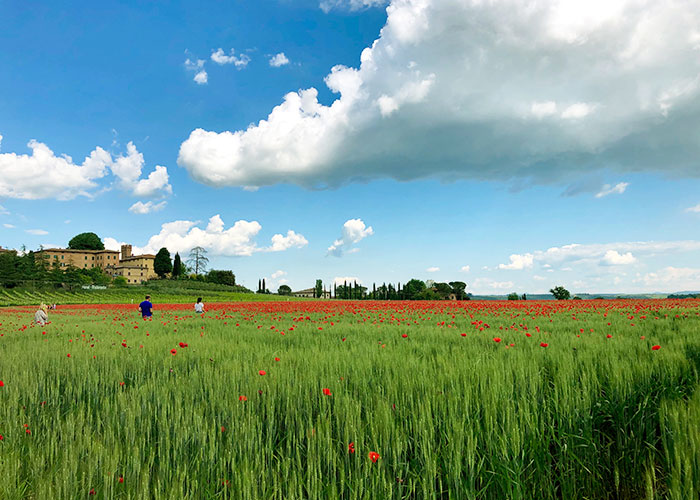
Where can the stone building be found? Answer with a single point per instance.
(84, 259)
(135, 268)
(310, 293)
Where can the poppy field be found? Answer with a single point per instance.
(353, 400)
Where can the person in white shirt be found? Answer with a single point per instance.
(40, 317)
(199, 306)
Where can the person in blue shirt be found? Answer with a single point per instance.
(146, 308)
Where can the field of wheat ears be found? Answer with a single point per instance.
(353, 400)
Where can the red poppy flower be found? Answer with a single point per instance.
(327, 392)
(277, 359)
(262, 372)
(609, 336)
(463, 334)
(28, 431)
(655, 347)
(223, 429)
(173, 351)
(374, 456)
(542, 344)
(404, 335)
(1, 438)
(2, 384)
(351, 448)
(528, 335)
(92, 491)
(242, 398)
(68, 355)
(497, 339)
(121, 479)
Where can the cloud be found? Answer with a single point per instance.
(354, 231)
(8, 226)
(146, 208)
(695, 209)
(432, 269)
(341, 280)
(618, 188)
(278, 60)
(673, 279)
(518, 262)
(201, 77)
(465, 269)
(491, 285)
(197, 66)
(328, 5)
(237, 240)
(220, 57)
(292, 240)
(613, 258)
(127, 168)
(3, 210)
(36, 232)
(44, 175)
(278, 274)
(605, 254)
(487, 91)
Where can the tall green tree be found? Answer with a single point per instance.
(560, 293)
(86, 241)
(162, 264)
(222, 277)
(413, 289)
(318, 292)
(198, 260)
(177, 266)
(459, 288)
(284, 290)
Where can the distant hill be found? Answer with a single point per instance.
(583, 296)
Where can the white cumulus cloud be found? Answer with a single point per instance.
(695, 209)
(614, 258)
(146, 208)
(605, 254)
(484, 90)
(354, 231)
(220, 57)
(44, 175)
(278, 274)
(433, 269)
(278, 60)
(128, 168)
(465, 269)
(237, 240)
(518, 262)
(197, 66)
(8, 226)
(36, 232)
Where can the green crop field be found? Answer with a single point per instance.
(169, 295)
(353, 400)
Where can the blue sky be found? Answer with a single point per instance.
(511, 149)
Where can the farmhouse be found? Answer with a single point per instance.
(311, 293)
